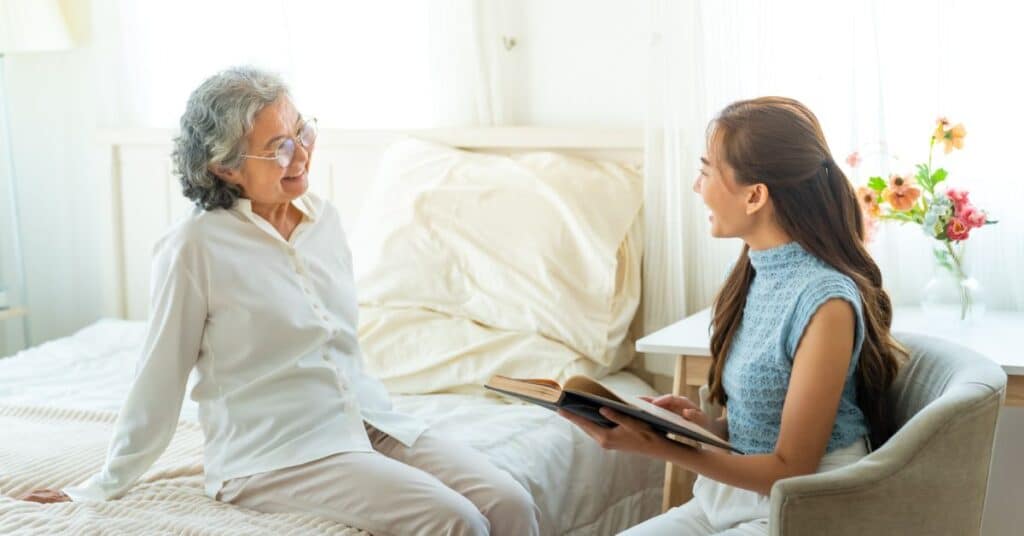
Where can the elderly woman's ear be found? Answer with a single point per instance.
(224, 173)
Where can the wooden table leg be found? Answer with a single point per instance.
(1015, 391)
(678, 486)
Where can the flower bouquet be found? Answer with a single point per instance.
(945, 215)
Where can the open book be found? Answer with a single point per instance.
(584, 396)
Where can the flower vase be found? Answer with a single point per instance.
(952, 295)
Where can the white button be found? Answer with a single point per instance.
(326, 357)
(317, 307)
(325, 318)
(305, 289)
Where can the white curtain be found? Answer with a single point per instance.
(876, 74)
(352, 64)
(468, 62)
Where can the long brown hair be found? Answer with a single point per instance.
(778, 142)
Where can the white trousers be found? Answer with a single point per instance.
(435, 487)
(720, 509)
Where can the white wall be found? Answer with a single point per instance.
(577, 63)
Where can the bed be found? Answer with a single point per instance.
(58, 400)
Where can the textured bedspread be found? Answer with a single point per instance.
(54, 447)
(579, 488)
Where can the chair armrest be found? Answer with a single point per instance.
(884, 490)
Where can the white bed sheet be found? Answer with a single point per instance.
(579, 487)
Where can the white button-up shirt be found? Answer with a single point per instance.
(270, 326)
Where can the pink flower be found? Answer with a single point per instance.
(973, 217)
(957, 229)
(854, 159)
(958, 197)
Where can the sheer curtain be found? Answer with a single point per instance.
(467, 61)
(353, 64)
(876, 74)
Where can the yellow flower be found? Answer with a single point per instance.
(901, 193)
(940, 128)
(955, 138)
(950, 137)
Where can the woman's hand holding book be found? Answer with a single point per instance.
(686, 409)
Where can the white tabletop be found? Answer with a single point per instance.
(998, 335)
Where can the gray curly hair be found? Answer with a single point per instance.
(217, 117)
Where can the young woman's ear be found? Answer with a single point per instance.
(757, 197)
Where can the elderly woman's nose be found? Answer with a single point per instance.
(301, 154)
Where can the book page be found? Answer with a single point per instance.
(547, 390)
(552, 384)
(584, 384)
(673, 418)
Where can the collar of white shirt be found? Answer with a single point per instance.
(310, 212)
(303, 203)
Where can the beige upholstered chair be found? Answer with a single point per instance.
(930, 477)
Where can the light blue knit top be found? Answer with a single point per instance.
(788, 287)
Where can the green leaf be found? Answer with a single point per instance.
(922, 177)
(938, 176)
(902, 217)
(943, 258)
(877, 184)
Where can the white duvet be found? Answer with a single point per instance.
(579, 488)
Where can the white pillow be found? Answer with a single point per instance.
(470, 264)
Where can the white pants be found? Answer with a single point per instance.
(435, 487)
(724, 510)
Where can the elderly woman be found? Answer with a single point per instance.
(254, 290)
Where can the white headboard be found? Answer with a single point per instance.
(146, 197)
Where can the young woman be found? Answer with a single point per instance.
(801, 349)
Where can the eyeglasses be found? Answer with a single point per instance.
(306, 135)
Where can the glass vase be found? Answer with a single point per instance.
(952, 294)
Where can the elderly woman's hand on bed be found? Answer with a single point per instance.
(45, 496)
(631, 435)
